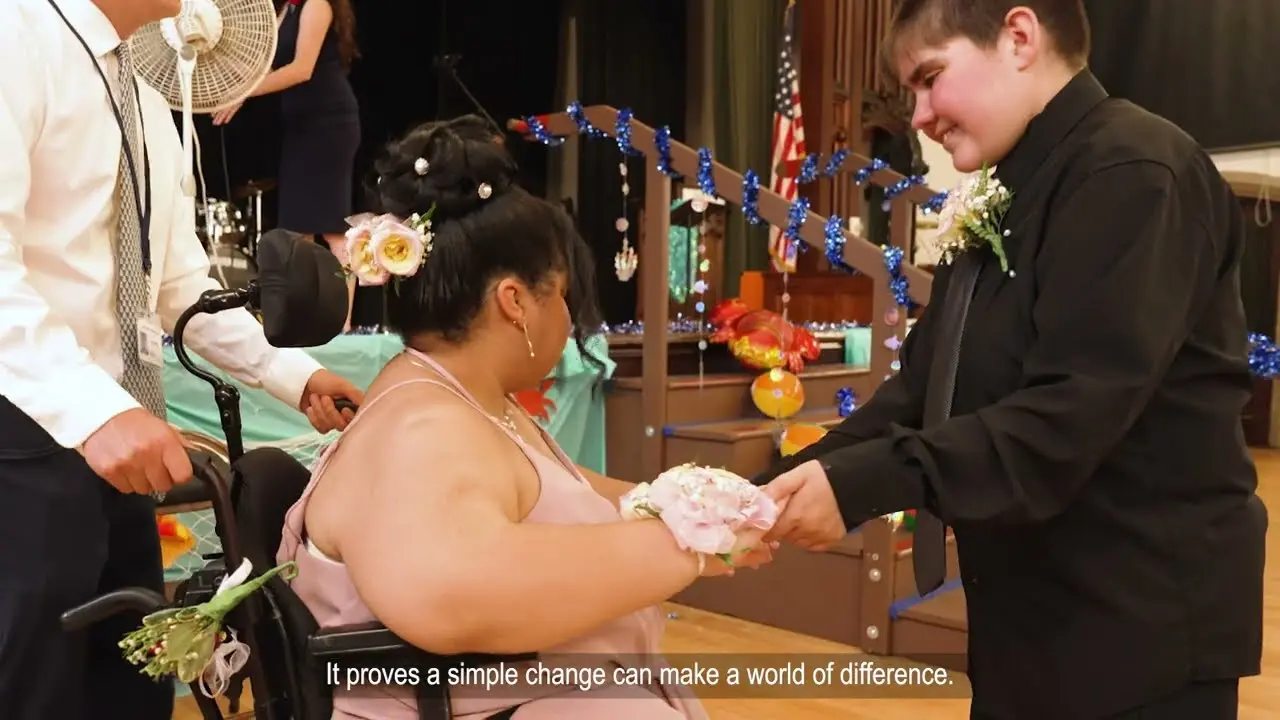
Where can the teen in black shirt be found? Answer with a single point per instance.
(1092, 462)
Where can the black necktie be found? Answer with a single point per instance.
(929, 543)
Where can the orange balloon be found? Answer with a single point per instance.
(778, 394)
(800, 436)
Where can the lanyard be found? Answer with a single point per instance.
(141, 197)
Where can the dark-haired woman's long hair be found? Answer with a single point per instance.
(344, 26)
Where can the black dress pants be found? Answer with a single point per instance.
(65, 537)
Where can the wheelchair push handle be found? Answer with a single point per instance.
(104, 606)
(344, 404)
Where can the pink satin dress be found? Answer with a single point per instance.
(566, 497)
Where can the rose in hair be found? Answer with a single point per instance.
(398, 248)
(360, 260)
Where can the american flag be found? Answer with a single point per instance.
(788, 138)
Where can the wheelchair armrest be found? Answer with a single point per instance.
(370, 643)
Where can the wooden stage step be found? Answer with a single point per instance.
(715, 399)
(935, 630)
(823, 594)
(727, 396)
(745, 446)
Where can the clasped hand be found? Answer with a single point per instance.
(809, 516)
(750, 551)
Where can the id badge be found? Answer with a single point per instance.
(150, 340)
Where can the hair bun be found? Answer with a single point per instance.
(445, 165)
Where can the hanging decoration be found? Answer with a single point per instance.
(796, 217)
(778, 394)
(689, 264)
(700, 286)
(626, 261)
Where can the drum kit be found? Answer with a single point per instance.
(230, 235)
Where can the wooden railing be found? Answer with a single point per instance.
(772, 208)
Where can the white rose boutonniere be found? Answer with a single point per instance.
(971, 216)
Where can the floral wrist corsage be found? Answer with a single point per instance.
(705, 508)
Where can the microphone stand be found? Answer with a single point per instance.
(446, 67)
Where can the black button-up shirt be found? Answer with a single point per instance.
(1094, 467)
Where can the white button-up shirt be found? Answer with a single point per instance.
(60, 356)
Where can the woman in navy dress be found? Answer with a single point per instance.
(320, 120)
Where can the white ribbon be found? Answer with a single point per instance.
(231, 655)
(228, 659)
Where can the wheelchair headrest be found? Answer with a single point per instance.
(302, 290)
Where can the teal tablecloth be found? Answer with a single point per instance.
(574, 405)
(575, 399)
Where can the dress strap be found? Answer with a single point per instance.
(560, 457)
(461, 392)
(328, 452)
(294, 533)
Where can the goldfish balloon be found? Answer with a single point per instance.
(761, 339)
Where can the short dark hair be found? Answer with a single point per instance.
(476, 239)
(936, 21)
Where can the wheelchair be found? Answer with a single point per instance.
(250, 493)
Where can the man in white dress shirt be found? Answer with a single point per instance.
(79, 453)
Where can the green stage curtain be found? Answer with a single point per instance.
(747, 38)
(630, 55)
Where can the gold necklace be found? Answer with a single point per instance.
(506, 421)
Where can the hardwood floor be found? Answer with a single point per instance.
(694, 631)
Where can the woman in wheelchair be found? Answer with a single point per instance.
(444, 511)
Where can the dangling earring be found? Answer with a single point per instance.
(525, 327)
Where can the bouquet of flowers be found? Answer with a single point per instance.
(188, 642)
(971, 217)
(705, 507)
